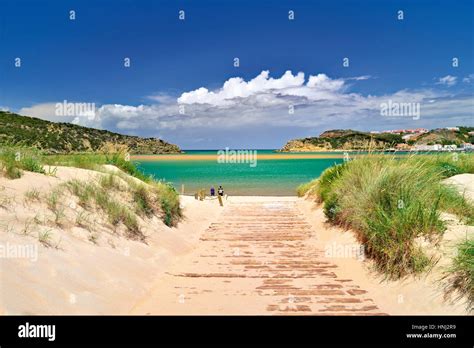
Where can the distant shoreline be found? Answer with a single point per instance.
(187, 157)
(332, 154)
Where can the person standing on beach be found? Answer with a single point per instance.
(220, 191)
(213, 191)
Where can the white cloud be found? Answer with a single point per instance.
(360, 78)
(447, 80)
(256, 110)
(63, 111)
(265, 89)
(162, 98)
(46, 111)
(468, 79)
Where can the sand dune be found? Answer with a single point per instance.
(76, 275)
(464, 183)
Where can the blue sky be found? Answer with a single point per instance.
(82, 61)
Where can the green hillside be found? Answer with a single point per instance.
(348, 139)
(344, 140)
(51, 137)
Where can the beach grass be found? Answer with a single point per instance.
(143, 201)
(169, 203)
(461, 272)
(152, 195)
(53, 201)
(306, 188)
(94, 161)
(32, 195)
(44, 237)
(116, 211)
(15, 160)
(123, 199)
(391, 202)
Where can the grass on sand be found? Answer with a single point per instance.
(149, 195)
(391, 202)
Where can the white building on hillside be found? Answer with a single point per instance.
(450, 147)
(435, 147)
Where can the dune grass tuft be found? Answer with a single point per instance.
(44, 237)
(390, 202)
(32, 195)
(158, 198)
(305, 188)
(91, 193)
(13, 160)
(53, 201)
(117, 212)
(9, 163)
(169, 202)
(143, 201)
(461, 272)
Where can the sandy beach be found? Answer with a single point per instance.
(265, 156)
(78, 274)
(255, 255)
(185, 157)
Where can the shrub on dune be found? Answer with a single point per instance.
(461, 272)
(305, 188)
(143, 201)
(158, 198)
(13, 160)
(390, 202)
(169, 202)
(32, 164)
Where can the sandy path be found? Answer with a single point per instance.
(259, 257)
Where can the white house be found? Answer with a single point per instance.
(449, 147)
(435, 147)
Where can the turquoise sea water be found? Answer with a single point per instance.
(270, 177)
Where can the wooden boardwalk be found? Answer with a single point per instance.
(257, 259)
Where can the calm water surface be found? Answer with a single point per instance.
(270, 177)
